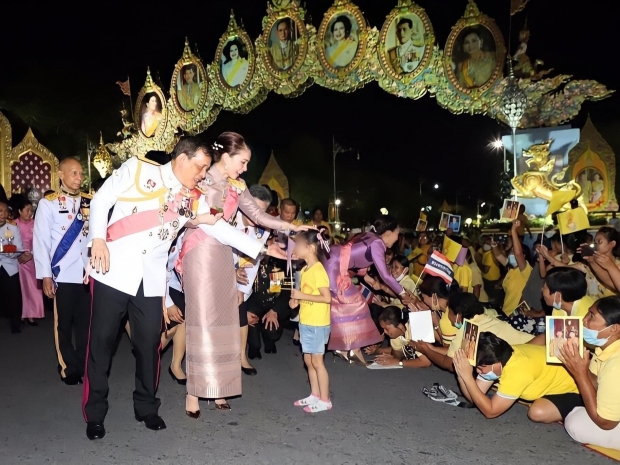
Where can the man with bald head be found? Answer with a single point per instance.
(60, 256)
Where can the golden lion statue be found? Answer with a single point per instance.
(536, 182)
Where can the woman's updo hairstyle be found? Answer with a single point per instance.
(227, 142)
(384, 223)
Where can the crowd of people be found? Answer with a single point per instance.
(186, 254)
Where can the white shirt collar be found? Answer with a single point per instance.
(167, 175)
(284, 44)
(405, 46)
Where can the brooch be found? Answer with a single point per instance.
(209, 181)
(150, 185)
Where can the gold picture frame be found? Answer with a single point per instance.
(417, 16)
(235, 35)
(150, 130)
(189, 104)
(342, 11)
(480, 34)
(292, 14)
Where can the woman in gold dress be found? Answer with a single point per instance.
(150, 114)
(235, 66)
(478, 66)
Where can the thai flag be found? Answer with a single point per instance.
(439, 265)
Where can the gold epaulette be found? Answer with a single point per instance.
(52, 196)
(86, 195)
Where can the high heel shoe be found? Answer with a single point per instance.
(182, 382)
(195, 415)
(355, 358)
(343, 355)
(224, 406)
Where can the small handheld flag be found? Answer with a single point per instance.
(438, 265)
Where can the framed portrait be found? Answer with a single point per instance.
(421, 226)
(189, 84)
(474, 55)
(150, 111)
(469, 341)
(286, 44)
(562, 330)
(593, 187)
(236, 60)
(342, 39)
(454, 223)
(443, 222)
(510, 210)
(406, 42)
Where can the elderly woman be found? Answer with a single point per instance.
(235, 65)
(597, 421)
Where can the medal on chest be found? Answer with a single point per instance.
(186, 202)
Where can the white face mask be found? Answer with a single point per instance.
(512, 261)
(401, 276)
(557, 305)
(486, 247)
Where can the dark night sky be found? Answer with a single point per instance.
(59, 75)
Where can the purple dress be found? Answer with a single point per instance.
(32, 297)
(351, 323)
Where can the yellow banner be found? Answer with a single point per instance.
(450, 249)
(559, 199)
(573, 221)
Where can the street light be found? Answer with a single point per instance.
(497, 144)
(384, 211)
(338, 202)
(436, 186)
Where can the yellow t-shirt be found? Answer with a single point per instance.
(527, 375)
(463, 275)
(580, 307)
(489, 260)
(418, 264)
(489, 324)
(313, 313)
(476, 280)
(409, 285)
(448, 331)
(513, 285)
(605, 365)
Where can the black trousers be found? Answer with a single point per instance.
(71, 318)
(11, 298)
(145, 320)
(269, 336)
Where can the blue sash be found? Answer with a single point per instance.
(65, 243)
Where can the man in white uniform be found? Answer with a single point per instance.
(128, 258)
(60, 255)
(406, 56)
(10, 289)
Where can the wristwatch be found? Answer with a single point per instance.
(400, 364)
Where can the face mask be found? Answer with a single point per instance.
(400, 277)
(486, 247)
(512, 261)
(458, 325)
(591, 337)
(490, 376)
(407, 252)
(557, 305)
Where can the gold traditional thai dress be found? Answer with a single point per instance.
(189, 96)
(150, 128)
(475, 73)
(211, 307)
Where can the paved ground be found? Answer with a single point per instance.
(379, 417)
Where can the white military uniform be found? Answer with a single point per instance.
(10, 289)
(136, 282)
(57, 214)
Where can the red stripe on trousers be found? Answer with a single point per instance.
(86, 383)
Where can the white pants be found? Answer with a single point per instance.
(582, 429)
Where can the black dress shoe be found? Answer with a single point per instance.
(152, 422)
(95, 430)
(182, 382)
(72, 380)
(249, 371)
(296, 342)
(271, 350)
(254, 353)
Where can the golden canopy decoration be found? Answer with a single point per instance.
(102, 159)
(346, 53)
(592, 165)
(28, 164)
(274, 177)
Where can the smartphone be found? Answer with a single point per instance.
(587, 250)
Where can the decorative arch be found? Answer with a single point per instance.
(31, 164)
(5, 152)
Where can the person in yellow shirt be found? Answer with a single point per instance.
(463, 274)
(465, 306)
(318, 221)
(489, 268)
(597, 422)
(522, 373)
(419, 255)
(314, 301)
(477, 282)
(565, 290)
(435, 294)
(518, 273)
